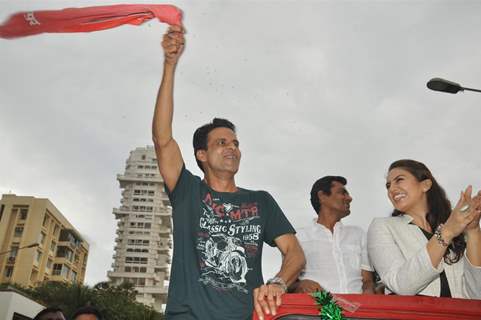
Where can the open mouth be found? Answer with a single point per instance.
(399, 196)
(230, 157)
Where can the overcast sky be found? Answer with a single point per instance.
(315, 88)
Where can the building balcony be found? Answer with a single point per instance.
(120, 213)
(162, 212)
(151, 290)
(164, 230)
(63, 260)
(123, 274)
(162, 266)
(163, 249)
(126, 179)
(68, 244)
(58, 277)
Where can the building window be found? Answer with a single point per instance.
(8, 271)
(138, 242)
(57, 269)
(2, 207)
(143, 157)
(23, 213)
(46, 219)
(41, 238)
(13, 251)
(128, 269)
(49, 264)
(18, 232)
(56, 230)
(136, 260)
(65, 271)
(33, 276)
(38, 256)
(73, 276)
(137, 269)
(137, 250)
(52, 246)
(65, 252)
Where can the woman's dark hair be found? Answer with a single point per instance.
(46, 311)
(200, 135)
(438, 205)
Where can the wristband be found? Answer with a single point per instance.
(279, 281)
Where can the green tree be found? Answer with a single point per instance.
(114, 302)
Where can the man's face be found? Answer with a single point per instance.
(53, 316)
(86, 317)
(222, 154)
(338, 201)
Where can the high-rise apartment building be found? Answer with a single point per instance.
(142, 250)
(38, 244)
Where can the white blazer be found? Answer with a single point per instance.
(397, 250)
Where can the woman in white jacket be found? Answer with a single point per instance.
(425, 247)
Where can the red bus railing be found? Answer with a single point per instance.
(303, 306)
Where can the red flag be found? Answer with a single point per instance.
(86, 19)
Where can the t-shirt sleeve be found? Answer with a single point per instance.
(182, 188)
(276, 222)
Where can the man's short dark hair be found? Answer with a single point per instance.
(201, 134)
(324, 184)
(46, 311)
(87, 310)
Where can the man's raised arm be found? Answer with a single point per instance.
(168, 153)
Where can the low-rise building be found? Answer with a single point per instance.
(38, 244)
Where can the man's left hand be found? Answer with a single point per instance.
(266, 299)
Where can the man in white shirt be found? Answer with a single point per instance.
(336, 254)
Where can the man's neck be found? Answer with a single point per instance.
(327, 220)
(221, 182)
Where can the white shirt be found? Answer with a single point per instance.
(334, 260)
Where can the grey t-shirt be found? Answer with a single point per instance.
(218, 238)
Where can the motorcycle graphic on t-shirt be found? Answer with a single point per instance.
(228, 235)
